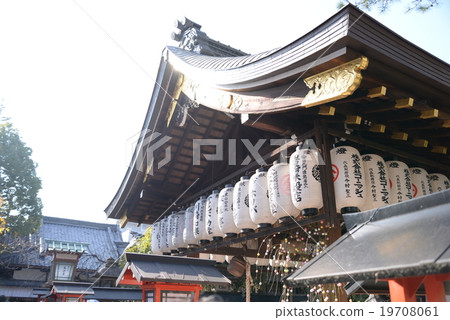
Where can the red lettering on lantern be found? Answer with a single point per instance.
(285, 184)
(335, 170)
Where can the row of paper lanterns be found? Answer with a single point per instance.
(287, 190)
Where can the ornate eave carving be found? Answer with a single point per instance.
(330, 85)
(335, 83)
(189, 41)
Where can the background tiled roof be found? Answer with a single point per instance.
(104, 241)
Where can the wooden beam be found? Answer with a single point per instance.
(439, 149)
(377, 92)
(326, 111)
(429, 114)
(124, 220)
(353, 119)
(398, 135)
(416, 117)
(404, 103)
(377, 128)
(435, 126)
(420, 143)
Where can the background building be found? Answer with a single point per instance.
(30, 266)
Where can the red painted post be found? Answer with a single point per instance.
(404, 289)
(197, 293)
(434, 289)
(157, 296)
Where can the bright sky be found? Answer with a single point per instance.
(76, 77)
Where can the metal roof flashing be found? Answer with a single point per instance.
(405, 239)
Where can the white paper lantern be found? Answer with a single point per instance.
(377, 182)
(225, 212)
(306, 189)
(241, 211)
(349, 179)
(174, 230)
(420, 180)
(439, 182)
(188, 232)
(259, 200)
(156, 234)
(279, 186)
(177, 238)
(212, 217)
(399, 181)
(199, 221)
(164, 244)
(170, 230)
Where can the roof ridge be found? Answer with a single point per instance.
(58, 220)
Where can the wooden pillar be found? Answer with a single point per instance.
(197, 294)
(157, 296)
(434, 289)
(404, 289)
(326, 173)
(328, 195)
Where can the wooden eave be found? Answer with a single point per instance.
(401, 106)
(133, 176)
(348, 30)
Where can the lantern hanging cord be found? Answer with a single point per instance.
(248, 282)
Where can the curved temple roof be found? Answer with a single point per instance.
(287, 83)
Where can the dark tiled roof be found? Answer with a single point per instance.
(217, 63)
(103, 241)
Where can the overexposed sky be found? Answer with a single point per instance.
(76, 77)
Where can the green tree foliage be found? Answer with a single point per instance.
(143, 244)
(383, 5)
(21, 208)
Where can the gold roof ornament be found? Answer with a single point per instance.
(335, 83)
